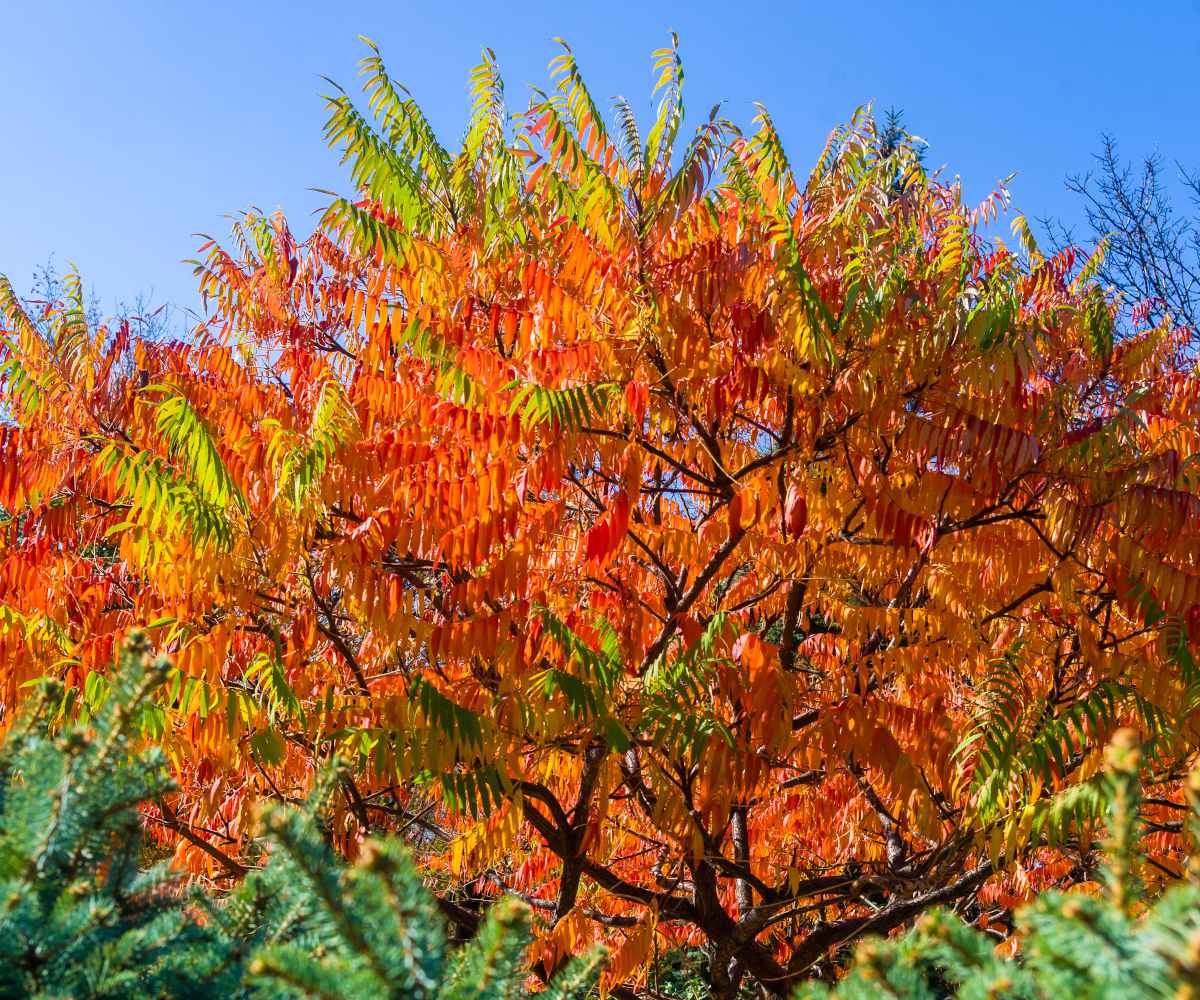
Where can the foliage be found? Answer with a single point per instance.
(1072, 944)
(371, 930)
(79, 917)
(82, 918)
(681, 974)
(713, 555)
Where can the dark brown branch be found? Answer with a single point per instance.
(172, 822)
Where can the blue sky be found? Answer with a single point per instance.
(128, 126)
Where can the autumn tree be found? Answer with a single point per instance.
(707, 553)
(1148, 950)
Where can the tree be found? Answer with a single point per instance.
(1151, 251)
(707, 554)
(80, 918)
(83, 917)
(1119, 945)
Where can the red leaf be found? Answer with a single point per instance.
(637, 396)
(795, 512)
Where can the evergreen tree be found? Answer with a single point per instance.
(80, 917)
(371, 930)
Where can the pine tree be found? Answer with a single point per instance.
(371, 930)
(80, 917)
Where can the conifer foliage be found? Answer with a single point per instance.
(79, 916)
(82, 915)
(712, 553)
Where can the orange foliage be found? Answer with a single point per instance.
(651, 539)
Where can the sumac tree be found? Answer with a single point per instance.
(708, 553)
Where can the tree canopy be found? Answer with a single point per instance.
(708, 552)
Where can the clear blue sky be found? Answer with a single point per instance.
(126, 126)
